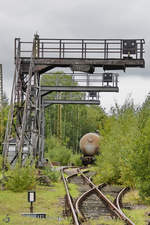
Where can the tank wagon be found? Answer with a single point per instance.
(89, 145)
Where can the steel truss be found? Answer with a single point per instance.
(26, 115)
(26, 112)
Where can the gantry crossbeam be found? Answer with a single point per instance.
(48, 89)
(82, 54)
(88, 102)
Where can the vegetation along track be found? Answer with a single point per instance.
(93, 203)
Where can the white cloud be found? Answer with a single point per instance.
(136, 86)
(77, 19)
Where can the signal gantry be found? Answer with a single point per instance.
(82, 56)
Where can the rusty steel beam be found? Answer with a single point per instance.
(43, 65)
(88, 102)
(48, 89)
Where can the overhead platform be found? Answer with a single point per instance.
(81, 54)
(88, 102)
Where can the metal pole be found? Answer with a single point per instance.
(31, 207)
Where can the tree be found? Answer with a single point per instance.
(3, 120)
(117, 145)
(69, 122)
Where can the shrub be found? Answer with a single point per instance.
(76, 160)
(53, 175)
(21, 179)
(120, 131)
(57, 152)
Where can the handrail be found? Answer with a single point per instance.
(83, 48)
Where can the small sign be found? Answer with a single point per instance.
(35, 215)
(31, 196)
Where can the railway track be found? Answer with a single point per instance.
(69, 201)
(93, 203)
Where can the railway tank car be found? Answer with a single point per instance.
(89, 145)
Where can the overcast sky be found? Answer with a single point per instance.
(79, 19)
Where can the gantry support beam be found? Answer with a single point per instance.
(88, 102)
(85, 65)
(48, 89)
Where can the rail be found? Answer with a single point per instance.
(74, 215)
(82, 48)
(111, 206)
(82, 198)
(121, 193)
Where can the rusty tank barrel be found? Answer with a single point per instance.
(89, 144)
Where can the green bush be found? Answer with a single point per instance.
(53, 175)
(76, 160)
(57, 152)
(120, 131)
(21, 179)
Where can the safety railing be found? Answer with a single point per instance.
(106, 79)
(82, 48)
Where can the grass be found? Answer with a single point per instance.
(73, 189)
(110, 197)
(138, 215)
(48, 200)
(104, 221)
(133, 197)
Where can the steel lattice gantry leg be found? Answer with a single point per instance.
(30, 131)
(37, 122)
(15, 101)
(25, 113)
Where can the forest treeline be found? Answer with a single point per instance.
(125, 137)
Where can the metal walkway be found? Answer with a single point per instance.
(82, 54)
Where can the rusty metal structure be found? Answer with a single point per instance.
(28, 98)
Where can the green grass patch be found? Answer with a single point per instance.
(110, 197)
(65, 175)
(138, 216)
(73, 188)
(104, 221)
(49, 200)
(133, 197)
